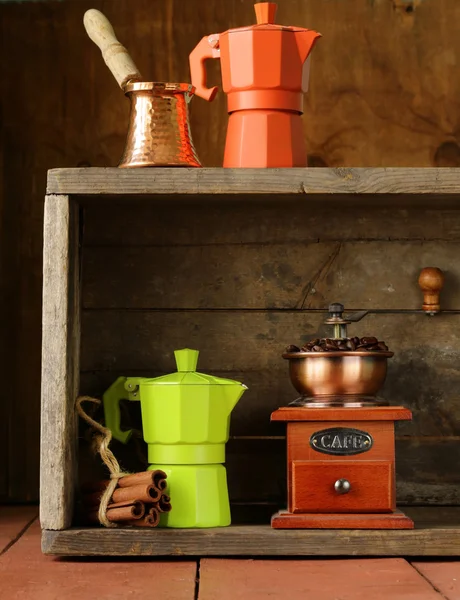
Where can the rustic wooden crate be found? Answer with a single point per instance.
(240, 263)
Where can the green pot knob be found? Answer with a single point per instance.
(186, 359)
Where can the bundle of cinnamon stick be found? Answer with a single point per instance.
(137, 500)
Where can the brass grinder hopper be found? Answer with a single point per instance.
(339, 371)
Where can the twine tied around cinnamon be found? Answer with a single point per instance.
(102, 440)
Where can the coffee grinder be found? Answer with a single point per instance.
(340, 434)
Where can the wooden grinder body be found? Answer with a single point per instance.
(341, 468)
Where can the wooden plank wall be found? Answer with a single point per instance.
(384, 91)
(230, 280)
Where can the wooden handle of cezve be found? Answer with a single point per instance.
(116, 56)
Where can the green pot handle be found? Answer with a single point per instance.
(119, 390)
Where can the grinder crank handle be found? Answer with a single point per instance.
(111, 402)
(207, 48)
(115, 55)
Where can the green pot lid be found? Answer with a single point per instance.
(186, 374)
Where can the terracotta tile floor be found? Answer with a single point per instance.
(26, 574)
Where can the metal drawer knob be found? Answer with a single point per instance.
(342, 486)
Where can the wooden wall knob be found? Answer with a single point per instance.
(431, 282)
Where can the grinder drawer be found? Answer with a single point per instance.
(341, 486)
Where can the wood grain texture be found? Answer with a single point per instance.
(376, 413)
(372, 486)
(115, 55)
(286, 520)
(303, 182)
(135, 241)
(4, 278)
(366, 107)
(426, 471)
(266, 334)
(415, 129)
(274, 221)
(443, 576)
(431, 282)
(423, 375)
(280, 276)
(267, 391)
(60, 361)
(439, 538)
(48, 50)
(348, 579)
(299, 433)
(311, 474)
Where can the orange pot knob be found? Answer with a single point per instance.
(265, 12)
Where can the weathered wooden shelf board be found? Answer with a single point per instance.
(241, 183)
(437, 533)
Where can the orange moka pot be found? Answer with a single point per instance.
(265, 72)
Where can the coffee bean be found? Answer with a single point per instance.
(365, 344)
(330, 346)
(292, 348)
(369, 340)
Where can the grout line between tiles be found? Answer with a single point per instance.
(197, 579)
(430, 582)
(19, 535)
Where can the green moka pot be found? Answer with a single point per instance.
(185, 422)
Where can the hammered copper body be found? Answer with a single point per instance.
(338, 378)
(159, 129)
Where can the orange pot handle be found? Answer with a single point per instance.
(207, 48)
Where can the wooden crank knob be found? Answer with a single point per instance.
(431, 282)
(115, 55)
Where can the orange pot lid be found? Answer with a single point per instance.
(265, 15)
